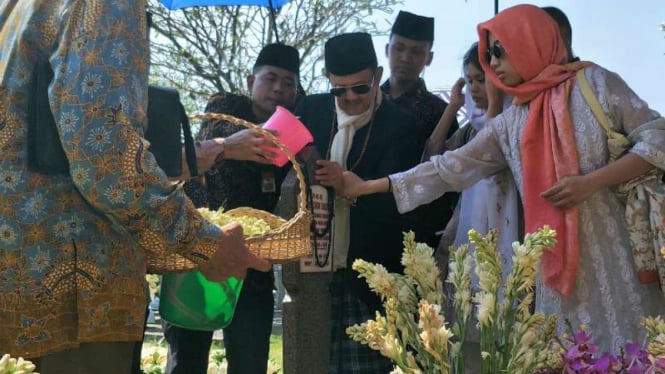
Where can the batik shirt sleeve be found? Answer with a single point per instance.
(99, 101)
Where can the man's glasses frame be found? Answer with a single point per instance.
(358, 89)
(495, 50)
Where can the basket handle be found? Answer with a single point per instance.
(302, 194)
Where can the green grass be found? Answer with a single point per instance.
(276, 350)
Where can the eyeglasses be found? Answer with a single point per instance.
(358, 89)
(495, 50)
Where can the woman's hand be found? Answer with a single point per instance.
(494, 99)
(436, 142)
(457, 94)
(570, 191)
(250, 145)
(353, 184)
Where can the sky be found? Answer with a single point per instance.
(622, 36)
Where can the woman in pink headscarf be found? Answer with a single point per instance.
(557, 152)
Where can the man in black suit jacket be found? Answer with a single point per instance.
(355, 129)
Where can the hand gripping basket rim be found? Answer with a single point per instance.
(287, 239)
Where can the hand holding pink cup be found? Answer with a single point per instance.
(290, 131)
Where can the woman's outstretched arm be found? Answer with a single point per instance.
(452, 171)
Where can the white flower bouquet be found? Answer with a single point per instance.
(413, 331)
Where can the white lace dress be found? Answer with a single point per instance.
(607, 296)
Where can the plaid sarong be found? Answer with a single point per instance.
(346, 355)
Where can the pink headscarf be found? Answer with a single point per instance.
(536, 50)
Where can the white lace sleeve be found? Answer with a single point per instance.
(452, 171)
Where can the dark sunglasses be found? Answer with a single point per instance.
(495, 50)
(358, 89)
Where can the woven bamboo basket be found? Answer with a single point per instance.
(287, 240)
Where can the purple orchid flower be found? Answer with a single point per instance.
(608, 363)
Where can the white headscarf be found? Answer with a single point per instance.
(474, 115)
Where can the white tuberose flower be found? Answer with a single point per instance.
(486, 302)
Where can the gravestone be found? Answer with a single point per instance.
(305, 321)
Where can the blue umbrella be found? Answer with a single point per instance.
(178, 4)
(272, 4)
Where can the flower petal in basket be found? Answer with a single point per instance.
(286, 240)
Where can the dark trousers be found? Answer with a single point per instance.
(246, 339)
(188, 350)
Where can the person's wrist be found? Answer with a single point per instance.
(380, 185)
(592, 182)
(456, 105)
(494, 108)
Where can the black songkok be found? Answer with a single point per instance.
(413, 26)
(347, 54)
(281, 56)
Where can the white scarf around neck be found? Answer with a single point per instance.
(347, 125)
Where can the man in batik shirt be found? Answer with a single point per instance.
(241, 184)
(75, 246)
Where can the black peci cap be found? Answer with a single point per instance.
(350, 53)
(281, 56)
(413, 26)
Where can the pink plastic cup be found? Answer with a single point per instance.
(290, 131)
